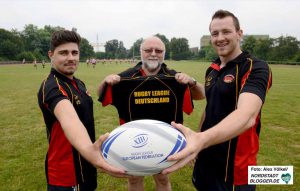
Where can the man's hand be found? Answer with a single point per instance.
(189, 153)
(197, 89)
(184, 79)
(112, 79)
(99, 162)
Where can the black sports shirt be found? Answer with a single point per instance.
(64, 165)
(229, 160)
(158, 97)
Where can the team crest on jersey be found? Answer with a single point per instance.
(228, 78)
(77, 100)
(208, 81)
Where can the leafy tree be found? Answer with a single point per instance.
(30, 37)
(211, 54)
(115, 49)
(38, 56)
(28, 56)
(135, 48)
(51, 29)
(121, 52)
(10, 44)
(111, 48)
(297, 57)
(248, 44)
(86, 50)
(167, 44)
(263, 48)
(201, 53)
(8, 49)
(179, 48)
(100, 55)
(208, 53)
(33, 43)
(285, 48)
(36, 40)
(44, 38)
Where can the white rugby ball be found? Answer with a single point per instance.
(142, 147)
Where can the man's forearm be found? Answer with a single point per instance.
(197, 91)
(73, 128)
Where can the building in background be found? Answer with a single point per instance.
(98, 47)
(194, 50)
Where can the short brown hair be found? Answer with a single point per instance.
(220, 14)
(64, 36)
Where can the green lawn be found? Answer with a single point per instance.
(24, 144)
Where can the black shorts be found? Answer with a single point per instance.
(61, 188)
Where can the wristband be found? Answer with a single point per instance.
(193, 84)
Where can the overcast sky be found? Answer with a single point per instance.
(129, 20)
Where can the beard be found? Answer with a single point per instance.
(69, 73)
(151, 65)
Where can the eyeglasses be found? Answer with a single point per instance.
(150, 50)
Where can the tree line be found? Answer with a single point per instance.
(278, 50)
(33, 43)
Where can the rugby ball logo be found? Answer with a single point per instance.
(140, 140)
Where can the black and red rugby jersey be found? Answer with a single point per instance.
(158, 97)
(229, 161)
(64, 165)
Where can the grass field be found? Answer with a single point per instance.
(24, 144)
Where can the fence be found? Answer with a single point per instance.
(283, 62)
(30, 62)
(17, 62)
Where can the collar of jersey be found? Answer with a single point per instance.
(59, 75)
(239, 59)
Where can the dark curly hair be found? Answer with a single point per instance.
(62, 37)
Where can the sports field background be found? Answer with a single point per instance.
(24, 144)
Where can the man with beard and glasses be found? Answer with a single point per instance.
(176, 91)
(67, 108)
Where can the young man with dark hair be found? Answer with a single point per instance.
(236, 85)
(68, 113)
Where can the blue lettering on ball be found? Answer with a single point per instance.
(140, 140)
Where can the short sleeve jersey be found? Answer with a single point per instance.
(229, 160)
(158, 97)
(64, 165)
